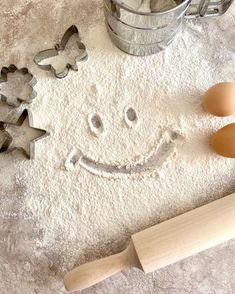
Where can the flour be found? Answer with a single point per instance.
(55, 214)
(149, 5)
(146, 164)
(160, 6)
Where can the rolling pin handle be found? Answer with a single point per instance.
(94, 272)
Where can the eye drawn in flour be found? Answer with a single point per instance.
(130, 117)
(153, 160)
(95, 124)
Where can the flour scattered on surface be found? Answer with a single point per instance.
(55, 216)
(147, 164)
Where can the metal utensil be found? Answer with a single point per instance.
(14, 130)
(141, 31)
(45, 54)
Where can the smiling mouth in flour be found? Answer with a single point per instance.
(150, 162)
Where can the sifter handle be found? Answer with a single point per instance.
(206, 8)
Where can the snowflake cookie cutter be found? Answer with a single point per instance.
(45, 54)
(8, 144)
(5, 71)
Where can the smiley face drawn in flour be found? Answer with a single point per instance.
(162, 150)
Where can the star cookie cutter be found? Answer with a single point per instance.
(31, 82)
(82, 54)
(8, 144)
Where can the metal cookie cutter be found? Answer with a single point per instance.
(14, 131)
(82, 53)
(31, 82)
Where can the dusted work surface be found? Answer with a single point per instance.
(53, 215)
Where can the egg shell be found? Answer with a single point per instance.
(219, 100)
(223, 142)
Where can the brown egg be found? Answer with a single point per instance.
(220, 99)
(223, 142)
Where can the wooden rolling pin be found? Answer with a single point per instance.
(163, 244)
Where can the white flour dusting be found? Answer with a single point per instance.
(149, 5)
(55, 214)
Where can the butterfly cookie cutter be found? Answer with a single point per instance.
(9, 144)
(82, 53)
(31, 82)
